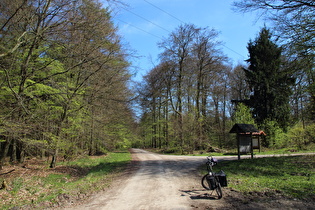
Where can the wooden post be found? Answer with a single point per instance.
(259, 143)
(238, 147)
(251, 145)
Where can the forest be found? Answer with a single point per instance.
(192, 99)
(65, 83)
(64, 80)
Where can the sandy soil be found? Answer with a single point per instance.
(172, 182)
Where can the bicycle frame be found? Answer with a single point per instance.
(210, 181)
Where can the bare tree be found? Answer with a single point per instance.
(179, 88)
(239, 87)
(206, 57)
(177, 50)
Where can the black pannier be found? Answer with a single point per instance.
(211, 182)
(222, 178)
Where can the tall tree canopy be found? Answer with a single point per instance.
(294, 23)
(269, 81)
(188, 87)
(63, 79)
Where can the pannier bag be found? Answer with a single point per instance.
(211, 183)
(222, 178)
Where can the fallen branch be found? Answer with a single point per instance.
(7, 172)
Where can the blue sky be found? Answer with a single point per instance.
(144, 23)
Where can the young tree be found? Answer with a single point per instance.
(243, 114)
(267, 79)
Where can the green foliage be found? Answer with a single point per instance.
(291, 176)
(120, 135)
(297, 136)
(61, 89)
(300, 136)
(243, 115)
(269, 80)
(291, 21)
(276, 137)
(310, 132)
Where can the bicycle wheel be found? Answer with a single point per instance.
(218, 188)
(205, 183)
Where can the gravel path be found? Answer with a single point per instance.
(166, 182)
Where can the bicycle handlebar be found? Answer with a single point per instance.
(211, 160)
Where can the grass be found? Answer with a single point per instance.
(73, 179)
(292, 176)
(264, 151)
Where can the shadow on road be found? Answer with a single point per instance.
(199, 194)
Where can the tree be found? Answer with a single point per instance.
(63, 81)
(243, 115)
(239, 87)
(176, 50)
(207, 60)
(25, 36)
(177, 93)
(294, 22)
(267, 79)
(294, 19)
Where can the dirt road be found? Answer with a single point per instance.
(160, 182)
(171, 182)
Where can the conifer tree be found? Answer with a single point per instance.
(269, 82)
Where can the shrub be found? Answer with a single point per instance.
(275, 135)
(296, 136)
(310, 133)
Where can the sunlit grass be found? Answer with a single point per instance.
(264, 151)
(93, 174)
(290, 176)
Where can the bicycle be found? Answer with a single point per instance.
(213, 181)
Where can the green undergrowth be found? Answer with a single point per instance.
(68, 180)
(291, 176)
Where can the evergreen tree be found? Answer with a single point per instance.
(293, 22)
(269, 82)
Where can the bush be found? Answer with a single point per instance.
(300, 136)
(296, 136)
(276, 138)
(310, 133)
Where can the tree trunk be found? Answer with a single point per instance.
(92, 145)
(13, 153)
(54, 159)
(4, 152)
(154, 123)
